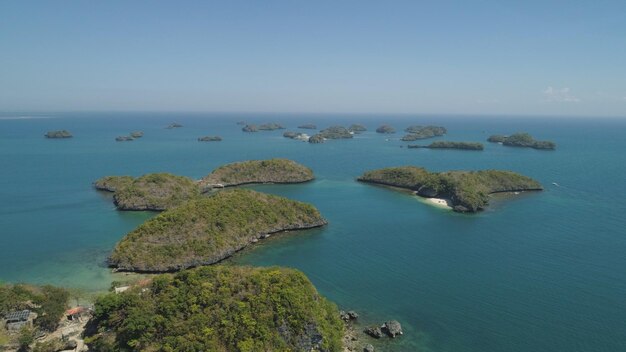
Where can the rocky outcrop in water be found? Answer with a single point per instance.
(58, 134)
(124, 139)
(386, 129)
(250, 128)
(210, 139)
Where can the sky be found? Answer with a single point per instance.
(415, 57)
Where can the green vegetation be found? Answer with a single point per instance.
(336, 132)
(467, 190)
(522, 140)
(47, 301)
(423, 132)
(155, 192)
(259, 171)
(357, 128)
(451, 145)
(386, 129)
(219, 308)
(112, 183)
(316, 139)
(308, 126)
(210, 139)
(58, 134)
(271, 127)
(207, 230)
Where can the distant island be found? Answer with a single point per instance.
(136, 134)
(210, 139)
(174, 125)
(271, 127)
(58, 134)
(207, 230)
(250, 128)
(522, 140)
(464, 191)
(258, 171)
(451, 145)
(386, 129)
(423, 132)
(332, 132)
(357, 128)
(124, 139)
(296, 135)
(308, 126)
(155, 192)
(218, 308)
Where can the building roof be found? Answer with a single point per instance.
(18, 316)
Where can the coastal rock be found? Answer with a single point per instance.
(58, 134)
(368, 348)
(210, 139)
(392, 328)
(207, 230)
(348, 316)
(427, 191)
(124, 139)
(258, 171)
(386, 129)
(374, 331)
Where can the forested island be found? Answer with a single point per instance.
(207, 230)
(258, 171)
(271, 127)
(466, 191)
(385, 129)
(219, 308)
(357, 128)
(522, 140)
(451, 145)
(332, 132)
(250, 128)
(58, 134)
(158, 191)
(423, 132)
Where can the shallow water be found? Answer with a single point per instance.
(541, 271)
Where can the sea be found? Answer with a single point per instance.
(539, 271)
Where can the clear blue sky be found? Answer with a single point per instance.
(474, 57)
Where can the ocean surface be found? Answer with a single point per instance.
(538, 272)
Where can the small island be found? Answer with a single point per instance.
(210, 139)
(124, 139)
(207, 230)
(296, 135)
(332, 132)
(58, 134)
(174, 125)
(308, 126)
(155, 192)
(250, 128)
(357, 128)
(423, 132)
(385, 129)
(316, 139)
(522, 140)
(136, 134)
(451, 145)
(271, 127)
(258, 171)
(218, 308)
(464, 191)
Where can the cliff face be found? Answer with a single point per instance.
(207, 230)
(259, 171)
(218, 308)
(468, 190)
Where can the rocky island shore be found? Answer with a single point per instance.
(451, 145)
(207, 230)
(58, 134)
(524, 140)
(466, 191)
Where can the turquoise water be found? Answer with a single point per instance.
(541, 272)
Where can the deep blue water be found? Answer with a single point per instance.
(540, 272)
